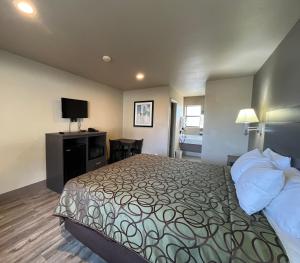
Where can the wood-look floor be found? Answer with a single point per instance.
(29, 232)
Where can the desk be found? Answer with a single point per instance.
(126, 141)
(123, 148)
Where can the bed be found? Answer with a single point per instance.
(157, 209)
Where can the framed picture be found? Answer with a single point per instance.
(143, 113)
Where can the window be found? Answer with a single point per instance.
(193, 116)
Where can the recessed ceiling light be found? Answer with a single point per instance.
(106, 59)
(25, 8)
(140, 76)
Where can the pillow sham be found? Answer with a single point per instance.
(257, 187)
(285, 208)
(280, 162)
(247, 160)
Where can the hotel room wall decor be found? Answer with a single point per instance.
(143, 113)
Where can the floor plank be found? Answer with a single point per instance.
(30, 233)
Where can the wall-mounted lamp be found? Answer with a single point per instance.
(247, 116)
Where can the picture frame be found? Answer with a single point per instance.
(143, 113)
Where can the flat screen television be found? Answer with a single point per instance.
(74, 109)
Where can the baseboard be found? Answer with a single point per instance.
(191, 154)
(29, 189)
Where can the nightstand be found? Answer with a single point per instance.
(231, 159)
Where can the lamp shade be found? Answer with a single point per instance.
(247, 116)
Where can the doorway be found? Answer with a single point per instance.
(172, 129)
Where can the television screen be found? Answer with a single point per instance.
(74, 109)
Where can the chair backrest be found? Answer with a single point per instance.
(114, 145)
(115, 148)
(138, 146)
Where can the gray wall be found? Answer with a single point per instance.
(221, 135)
(277, 84)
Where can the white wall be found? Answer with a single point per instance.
(156, 139)
(223, 100)
(30, 107)
(175, 96)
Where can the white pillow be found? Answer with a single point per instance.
(280, 162)
(285, 208)
(257, 187)
(247, 160)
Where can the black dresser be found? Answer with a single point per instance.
(71, 154)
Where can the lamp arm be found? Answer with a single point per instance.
(248, 129)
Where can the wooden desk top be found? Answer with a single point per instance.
(126, 141)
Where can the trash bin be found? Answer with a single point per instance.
(178, 154)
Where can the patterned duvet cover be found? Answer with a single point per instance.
(170, 210)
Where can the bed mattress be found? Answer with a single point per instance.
(291, 244)
(170, 210)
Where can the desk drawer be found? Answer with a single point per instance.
(96, 163)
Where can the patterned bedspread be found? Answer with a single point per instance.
(170, 210)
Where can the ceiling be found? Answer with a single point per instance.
(180, 43)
